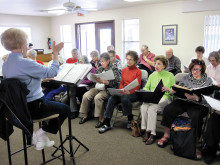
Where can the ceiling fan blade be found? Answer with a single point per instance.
(52, 10)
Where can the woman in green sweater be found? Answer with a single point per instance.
(149, 110)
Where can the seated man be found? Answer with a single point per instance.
(147, 59)
(174, 65)
(32, 54)
(74, 57)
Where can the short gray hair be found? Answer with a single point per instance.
(75, 51)
(95, 53)
(32, 53)
(145, 46)
(105, 56)
(216, 55)
(110, 46)
(84, 59)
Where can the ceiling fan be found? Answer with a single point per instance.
(69, 7)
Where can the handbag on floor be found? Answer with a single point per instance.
(136, 128)
(183, 138)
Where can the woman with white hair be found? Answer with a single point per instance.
(95, 59)
(32, 54)
(30, 73)
(74, 58)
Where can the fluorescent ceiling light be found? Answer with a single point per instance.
(133, 0)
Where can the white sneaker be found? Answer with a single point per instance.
(34, 138)
(43, 140)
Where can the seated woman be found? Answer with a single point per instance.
(213, 70)
(129, 74)
(149, 110)
(193, 104)
(99, 93)
(31, 73)
(114, 60)
(95, 59)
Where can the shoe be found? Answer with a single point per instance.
(145, 136)
(83, 120)
(104, 129)
(163, 142)
(150, 140)
(129, 125)
(74, 115)
(99, 124)
(198, 155)
(43, 140)
(208, 159)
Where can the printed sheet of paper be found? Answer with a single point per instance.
(215, 104)
(108, 75)
(129, 87)
(66, 68)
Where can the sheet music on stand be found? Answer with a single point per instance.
(129, 87)
(72, 73)
(214, 103)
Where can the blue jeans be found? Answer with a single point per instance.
(126, 101)
(42, 108)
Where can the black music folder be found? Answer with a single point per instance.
(151, 96)
(180, 91)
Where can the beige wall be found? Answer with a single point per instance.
(40, 28)
(152, 17)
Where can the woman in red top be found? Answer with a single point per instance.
(129, 74)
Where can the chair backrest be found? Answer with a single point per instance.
(179, 76)
(144, 74)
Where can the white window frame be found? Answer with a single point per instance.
(212, 26)
(124, 36)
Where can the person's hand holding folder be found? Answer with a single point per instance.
(99, 80)
(192, 97)
(124, 92)
(165, 89)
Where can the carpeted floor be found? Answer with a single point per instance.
(115, 147)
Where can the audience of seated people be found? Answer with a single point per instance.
(30, 73)
(74, 58)
(95, 59)
(78, 92)
(196, 78)
(147, 59)
(149, 110)
(174, 65)
(99, 92)
(32, 54)
(129, 74)
(114, 60)
(111, 47)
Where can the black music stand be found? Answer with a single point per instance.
(70, 137)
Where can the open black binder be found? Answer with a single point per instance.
(151, 96)
(180, 91)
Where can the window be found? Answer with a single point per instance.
(27, 30)
(211, 34)
(130, 39)
(66, 38)
(94, 35)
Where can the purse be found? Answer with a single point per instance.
(136, 128)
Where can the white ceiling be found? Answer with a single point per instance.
(32, 7)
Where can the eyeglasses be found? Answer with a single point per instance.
(129, 59)
(196, 70)
(103, 62)
(195, 61)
